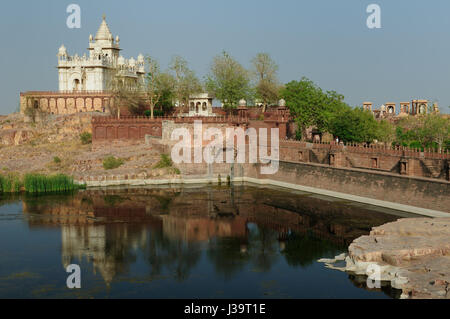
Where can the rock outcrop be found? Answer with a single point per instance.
(413, 254)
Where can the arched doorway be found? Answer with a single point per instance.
(76, 85)
(422, 109)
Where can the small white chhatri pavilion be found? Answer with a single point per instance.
(96, 71)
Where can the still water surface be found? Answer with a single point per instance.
(187, 242)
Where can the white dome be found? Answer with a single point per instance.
(282, 102)
(132, 62)
(121, 60)
(140, 58)
(103, 32)
(242, 102)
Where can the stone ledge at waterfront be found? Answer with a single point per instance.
(413, 255)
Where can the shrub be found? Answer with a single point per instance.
(112, 162)
(56, 160)
(148, 113)
(164, 162)
(447, 145)
(86, 138)
(416, 144)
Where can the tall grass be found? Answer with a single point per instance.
(10, 184)
(36, 183)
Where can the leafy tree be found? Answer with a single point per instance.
(310, 106)
(385, 132)
(265, 74)
(426, 131)
(151, 90)
(124, 92)
(229, 81)
(186, 82)
(304, 99)
(355, 125)
(436, 129)
(166, 87)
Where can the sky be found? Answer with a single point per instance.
(327, 41)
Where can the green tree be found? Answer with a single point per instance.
(229, 81)
(385, 132)
(425, 131)
(152, 90)
(436, 129)
(310, 106)
(124, 93)
(166, 87)
(264, 70)
(355, 125)
(186, 82)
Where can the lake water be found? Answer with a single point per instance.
(184, 242)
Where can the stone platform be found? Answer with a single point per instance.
(413, 254)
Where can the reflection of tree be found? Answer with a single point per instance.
(113, 200)
(263, 248)
(119, 243)
(304, 250)
(36, 203)
(231, 255)
(178, 256)
(227, 255)
(165, 201)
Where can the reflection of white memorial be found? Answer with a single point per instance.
(96, 71)
(90, 242)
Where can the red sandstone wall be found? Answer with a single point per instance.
(431, 194)
(126, 128)
(421, 164)
(376, 184)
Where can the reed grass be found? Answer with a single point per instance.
(10, 184)
(38, 183)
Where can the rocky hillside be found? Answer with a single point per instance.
(52, 144)
(17, 129)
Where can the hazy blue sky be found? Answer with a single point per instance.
(325, 40)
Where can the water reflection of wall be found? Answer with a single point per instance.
(110, 228)
(203, 229)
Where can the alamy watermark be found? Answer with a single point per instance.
(374, 19)
(74, 279)
(373, 272)
(74, 19)
(233, 146)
